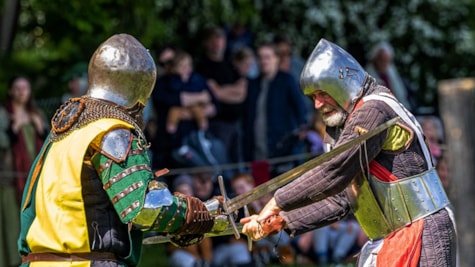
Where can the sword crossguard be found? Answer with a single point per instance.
(225, 207)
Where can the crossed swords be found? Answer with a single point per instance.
(241, 201)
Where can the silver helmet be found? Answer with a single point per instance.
(122, 71)
(334, 71)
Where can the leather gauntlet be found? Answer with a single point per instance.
(198, 219)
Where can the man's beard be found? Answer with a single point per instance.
(335, 119)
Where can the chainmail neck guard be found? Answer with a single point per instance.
(79, 112)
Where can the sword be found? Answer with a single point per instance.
(259, 191)
(159, 238)
(231, 205)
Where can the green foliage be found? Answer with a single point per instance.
(433, 39)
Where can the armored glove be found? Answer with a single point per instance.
(200, 218)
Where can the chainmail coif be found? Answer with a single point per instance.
(78, 112)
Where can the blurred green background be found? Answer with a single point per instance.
(433, 39)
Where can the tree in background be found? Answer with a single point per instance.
(433, 39)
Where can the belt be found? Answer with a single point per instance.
(86, 256)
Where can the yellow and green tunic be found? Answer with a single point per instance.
(79, 200)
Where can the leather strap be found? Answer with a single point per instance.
(87, 256)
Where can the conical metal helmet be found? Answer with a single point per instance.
(334, 71)
(122, 71)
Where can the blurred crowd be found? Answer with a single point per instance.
(236, 110)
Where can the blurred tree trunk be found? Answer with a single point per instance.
(8, 22)
(457, 108)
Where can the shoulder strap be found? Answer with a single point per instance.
(406, 116)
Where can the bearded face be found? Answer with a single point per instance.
(333, 116)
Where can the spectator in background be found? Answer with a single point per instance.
(331, 244)
(77, 81)
(204, 184)
(434, 137)
(263, 250)
(9, 216)
(175, 92)
(442, 168)
(274, 110)
(165, 56)
(191, 88)
(433, 133)
(228, 87)
(381, 67)
(335, 242)
(196, 255)
(238, 36)
(315, 135)
(27, 130)
(244, 62)
(183, 184)
(289, 60)
(244, 182)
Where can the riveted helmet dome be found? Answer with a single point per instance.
(122, 71)
(334, 71)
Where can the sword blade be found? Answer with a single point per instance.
(158, 239)
(283, 179)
